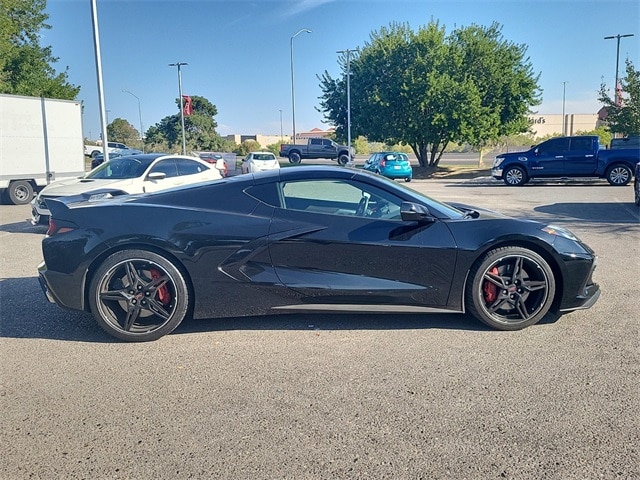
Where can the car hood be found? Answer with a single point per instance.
(76, 186)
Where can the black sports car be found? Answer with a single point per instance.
(303, 239)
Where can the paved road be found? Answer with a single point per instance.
(345, 396)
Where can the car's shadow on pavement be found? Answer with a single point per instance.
(30, 315)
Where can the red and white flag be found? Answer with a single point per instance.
(187, 107)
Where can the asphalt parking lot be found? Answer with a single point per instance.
(334, 396)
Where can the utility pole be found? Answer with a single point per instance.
(564, 122)
(293, 96)
(618, 37)
(348, 52)
(180, 64)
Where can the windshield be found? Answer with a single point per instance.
(121, 168)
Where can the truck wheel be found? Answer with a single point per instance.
(343, 159)
(514, 176)
(19, 192)
(95, 153)
(619, 175)
(294, 157)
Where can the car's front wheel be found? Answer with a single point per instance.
(343, 160)
(510, 288)
(619, 175)
(138, 296)
(514, 176)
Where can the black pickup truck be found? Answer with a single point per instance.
(317, 148)
(561, 157)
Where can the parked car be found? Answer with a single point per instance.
(390, 165)
(259, 161)
(313, 239)
(317, 148)
(566, 157)
(93, 150)
(117, 152)
(130, 174)
(215, 159)
(636, 184)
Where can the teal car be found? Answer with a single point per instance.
(390, 165)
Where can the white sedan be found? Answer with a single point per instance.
(131, 174)
(259, 161)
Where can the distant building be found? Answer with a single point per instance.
(263, 140)
(543, 125)
(316, 133)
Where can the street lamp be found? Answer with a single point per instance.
(139, 114)
(617, 61)
(348, 52)
(564, 89)
(293, 97)
(281, 136)
(184, 141)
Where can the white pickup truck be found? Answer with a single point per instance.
(93, 150)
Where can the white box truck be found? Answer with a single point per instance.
(40, 141)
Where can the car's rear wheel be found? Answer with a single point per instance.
(407, 179)
(138, 296)
(619, 175)
(514, 176)
(510, 288)
(295, 158)
(343, 159)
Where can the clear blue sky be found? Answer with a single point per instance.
(238, 51)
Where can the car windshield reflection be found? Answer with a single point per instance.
(120, 168)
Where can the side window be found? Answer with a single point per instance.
(168, 167)
(189, 167)
(554, 145)
(581, 144)
(326, 142)
(315, 141)
(340, 197)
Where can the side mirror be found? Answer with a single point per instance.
(415, 212)
(156, 176)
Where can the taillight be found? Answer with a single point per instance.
(383, 163)
(55, 229)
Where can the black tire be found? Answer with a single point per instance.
(407, 179)
(343, 160)
(636, 192)
(95, 153)
(19, 192)
(619, 175)
(510, 288)
(514, 176)
(138, 296)
(295, 158)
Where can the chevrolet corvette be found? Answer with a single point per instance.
(304, 239)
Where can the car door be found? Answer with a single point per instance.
(549, 159)
(167, 166)
(325, 243)
(581, 158)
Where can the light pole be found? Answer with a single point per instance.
(184, 141)
(293, 96)
(139, 115)
(101, 103)
(281, 135)
(348, 52)
(615, 86)
(564, 89)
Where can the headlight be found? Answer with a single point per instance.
(560, 232)
(498, 161)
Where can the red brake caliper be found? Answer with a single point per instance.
(163, 292)
(490, 289)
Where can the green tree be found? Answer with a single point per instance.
(200, 129)
(247, 146)
(425, 89)
(623, 116)
(122, 131)
(26, 66)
